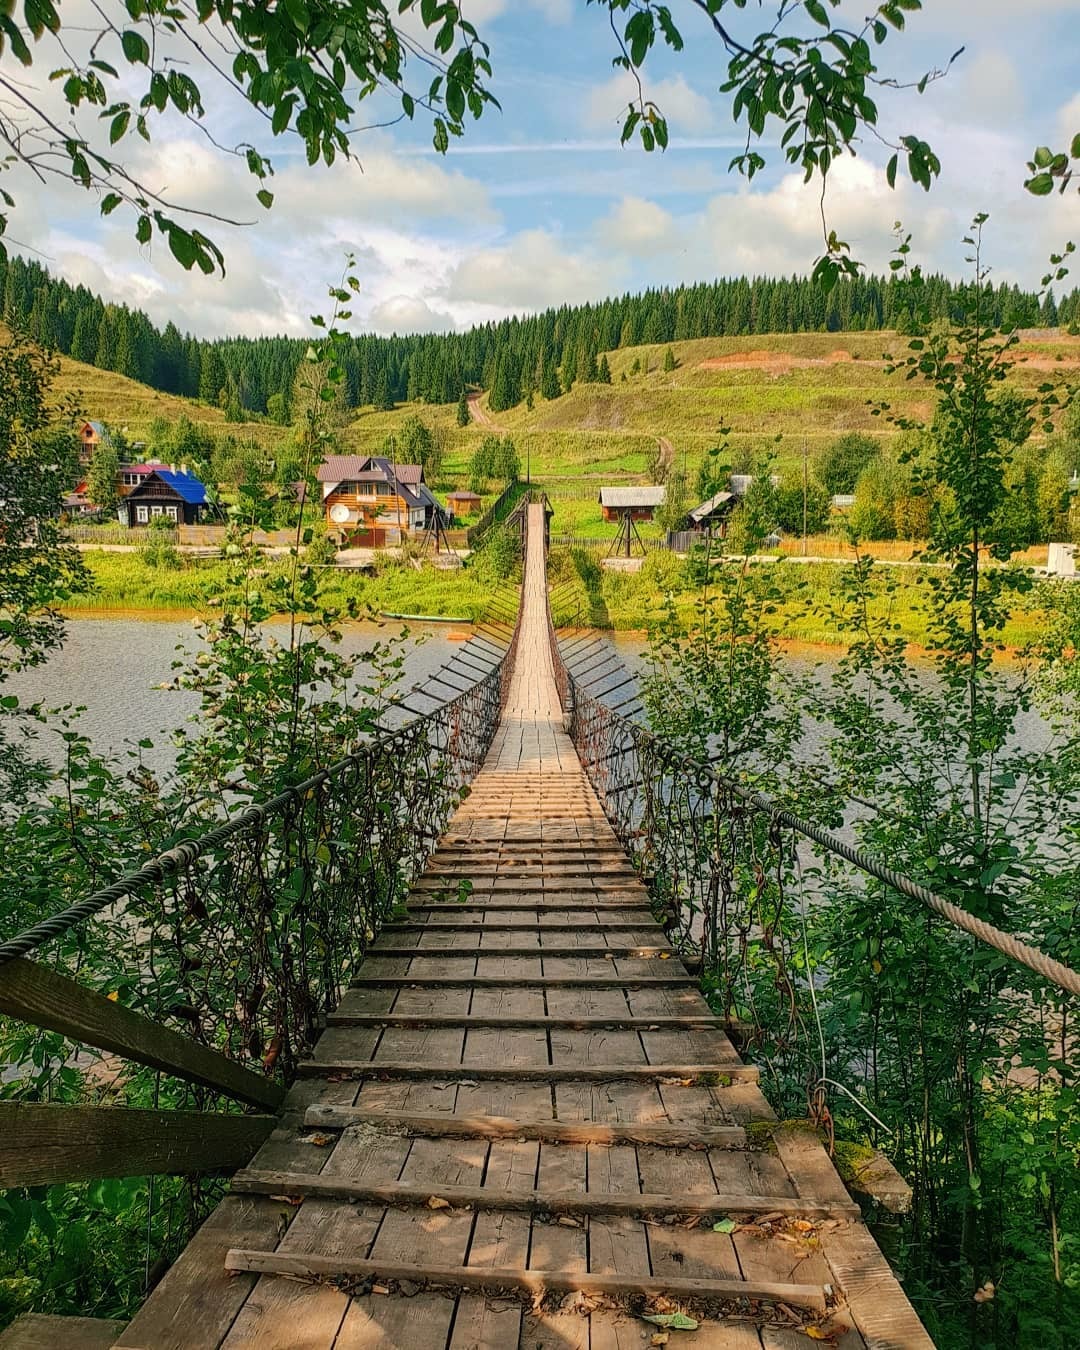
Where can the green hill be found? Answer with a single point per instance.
(805, 389)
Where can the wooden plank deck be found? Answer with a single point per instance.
(462, 1165)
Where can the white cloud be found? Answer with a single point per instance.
(638, 226)
(779, 231)
(409, 314)
(1068, 120)
(528, 272)
(681, 104)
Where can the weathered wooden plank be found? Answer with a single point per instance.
(635, 904)
(633, 981)
(552, 952)
(718, 1075)
(43, 1331)
(614, 1022)
(526, 1281)
(504, 1127)
(43, 1145)
(639, 1205)
(33, 993)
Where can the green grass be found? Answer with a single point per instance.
(124, 581)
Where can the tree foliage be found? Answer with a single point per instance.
(843, 460)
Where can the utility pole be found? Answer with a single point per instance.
(804, 488)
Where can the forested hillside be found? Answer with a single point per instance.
(547, 353)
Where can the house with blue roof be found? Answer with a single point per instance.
(165, 491)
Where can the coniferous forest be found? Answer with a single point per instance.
(545, 353)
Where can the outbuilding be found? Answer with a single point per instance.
(463, 502)
(634, 503)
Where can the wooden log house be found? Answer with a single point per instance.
(369, 501)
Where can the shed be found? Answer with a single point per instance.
(463, 501)
(179, 497)
(637, 503)
(714, 512)
(91, 435)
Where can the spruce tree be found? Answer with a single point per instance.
(603, 373)
(549, 380)
(463, 410)
(669, 361)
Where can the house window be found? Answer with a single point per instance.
(142, 514)
(132, 479)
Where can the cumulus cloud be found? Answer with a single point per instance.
(779, 230)
(638, 226)
(530, 271)
(681, 104)
(409, 314)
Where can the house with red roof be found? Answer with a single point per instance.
(370, 500)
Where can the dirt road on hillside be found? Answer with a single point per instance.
(480, 415)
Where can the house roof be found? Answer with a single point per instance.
(463, 495)
(715, 502)
(99, 427)
(627, 497)
(408, 478)
(142, 468)
(185, 485)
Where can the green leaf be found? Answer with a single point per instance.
(135, 46)
(724, 1226)
(142, 230)
(816, 10)
(442, 136)
(676, 1321)
(110, 203)
(265, 198)
(1041, 185)
(890, 171)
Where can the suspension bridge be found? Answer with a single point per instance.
(516, 1121)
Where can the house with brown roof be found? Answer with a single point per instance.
(368, 500)
(639, 503)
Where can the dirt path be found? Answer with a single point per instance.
(480, 415)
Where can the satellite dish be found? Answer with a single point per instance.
(340, 514)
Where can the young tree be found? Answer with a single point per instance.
(671, 514)
(603, 372)
(840, 464)
(669, 361)
(101, 480)
(463, 410)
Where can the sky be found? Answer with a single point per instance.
(539, 205)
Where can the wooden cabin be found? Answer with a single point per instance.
(639, 503)
(176, 495)
(371, 501)
(91, 435)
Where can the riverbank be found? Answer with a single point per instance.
(129, 584)
(802, 605)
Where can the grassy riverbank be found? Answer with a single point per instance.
(128, 582)
(626, 602)
(803, 600)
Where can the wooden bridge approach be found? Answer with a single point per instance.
(523, 1126)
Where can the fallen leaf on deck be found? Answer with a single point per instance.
(816, 1333)
(436, 1202)
(676, 1082)
(659, 1338)
(676, 1321)
(568, 1221)
(319, 1140)
(379, 1289)
(724, 1226)
(289, 1199)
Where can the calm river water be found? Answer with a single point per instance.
(111, 666)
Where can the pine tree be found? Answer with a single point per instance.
(549, 380)
(383, 400)
(84, 339)
(463, 410)
(669, 361)
(603, 373)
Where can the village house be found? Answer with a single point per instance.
(370, 501)
(165, 491)
(639, 503)
(91, 435)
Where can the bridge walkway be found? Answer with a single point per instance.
(522, 1125)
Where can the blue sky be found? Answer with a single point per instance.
(540, 205)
